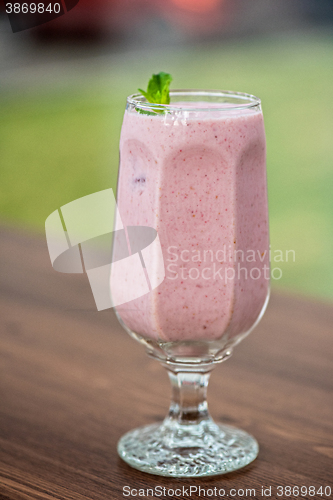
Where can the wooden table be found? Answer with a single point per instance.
(72, 382)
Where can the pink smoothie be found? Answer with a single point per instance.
(200, 181)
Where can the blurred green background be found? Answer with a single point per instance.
(59, 141)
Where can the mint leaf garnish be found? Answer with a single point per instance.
(158, 89)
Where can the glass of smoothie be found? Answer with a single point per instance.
(193, 172)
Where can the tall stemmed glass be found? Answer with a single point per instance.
(195, 172)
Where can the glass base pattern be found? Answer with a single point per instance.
(192, 450)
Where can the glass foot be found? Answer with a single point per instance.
(193, 450)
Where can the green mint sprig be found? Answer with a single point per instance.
(157, 90)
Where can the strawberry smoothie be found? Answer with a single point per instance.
(199, 178)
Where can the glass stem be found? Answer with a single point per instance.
(189, 397)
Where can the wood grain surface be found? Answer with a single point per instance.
(73, 382)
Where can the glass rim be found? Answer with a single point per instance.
(246, 101)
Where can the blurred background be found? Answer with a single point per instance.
(63, 93)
